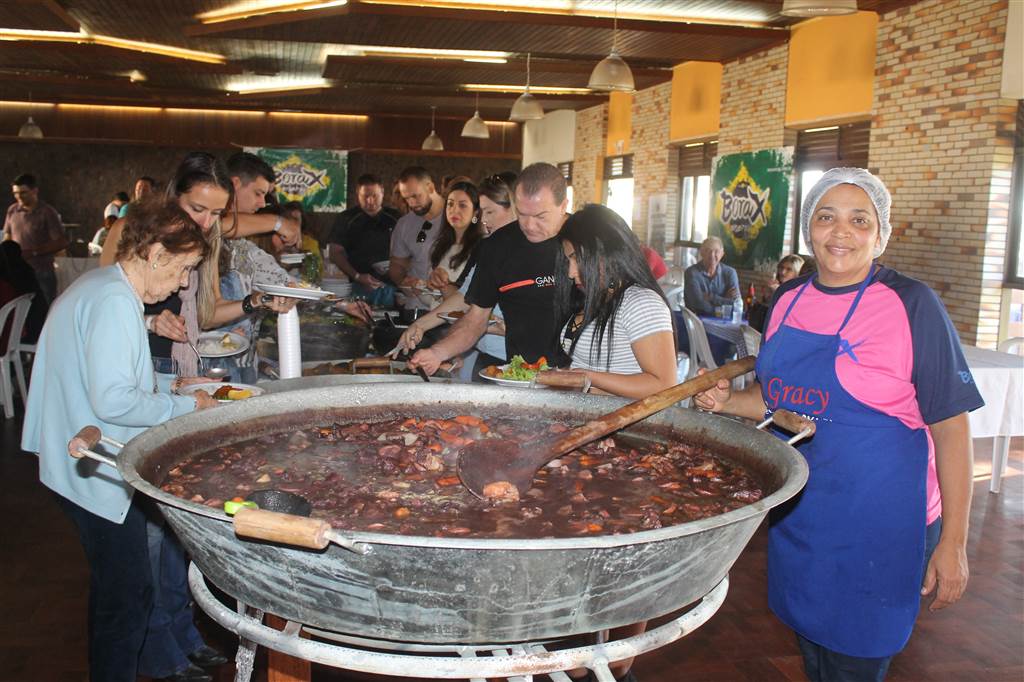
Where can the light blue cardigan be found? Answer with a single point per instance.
(93, 367)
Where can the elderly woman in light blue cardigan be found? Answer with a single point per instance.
(93, 366)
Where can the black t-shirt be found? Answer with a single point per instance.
(367, 239)
(159, 346)
(520, 276)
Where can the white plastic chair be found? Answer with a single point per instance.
(674, 296)
(700, 349)
(16, 311)
(752, 340)
(1014, 345)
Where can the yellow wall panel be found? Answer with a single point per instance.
(620, 123)
(831, 68)
(696, 100)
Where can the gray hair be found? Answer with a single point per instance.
(872, 186)
(712, 241)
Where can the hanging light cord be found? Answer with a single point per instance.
(527, 72)
(615, 28)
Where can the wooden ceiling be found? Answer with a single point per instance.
(295, 47)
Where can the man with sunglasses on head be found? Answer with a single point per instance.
(415, 232)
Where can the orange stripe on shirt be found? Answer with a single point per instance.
(516, 285)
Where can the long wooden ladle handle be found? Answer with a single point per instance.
(635, 411)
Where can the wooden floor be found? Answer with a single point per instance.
(44, 584)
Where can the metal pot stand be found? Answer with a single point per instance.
(518, 662)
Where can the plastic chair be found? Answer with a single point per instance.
(700, 349)
(16, 311)
(752, 340)
(1014, 345)
(674, 296)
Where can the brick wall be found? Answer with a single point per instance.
(754, 102)
(942, 140)
(591, 129)
(651, 154)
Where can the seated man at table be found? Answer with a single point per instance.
(709, 282)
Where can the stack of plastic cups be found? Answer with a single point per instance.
(289, 348)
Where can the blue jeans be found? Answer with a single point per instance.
(120, 589)
(825, 665)
(171, 633)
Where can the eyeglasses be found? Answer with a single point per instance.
(422, 236)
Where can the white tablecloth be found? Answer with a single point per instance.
(70, 269)
(1000, 380)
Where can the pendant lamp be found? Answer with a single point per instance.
(31, 130)
(526, 107)
(476, 127)
(432, 142)
(818, 8)
(612, 73)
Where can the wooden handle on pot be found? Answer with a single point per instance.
(573, 380)
(793, 422)
(90, 437)
(369, 363)
(286, 529)
(635, 411)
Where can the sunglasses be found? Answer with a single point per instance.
(422, 236)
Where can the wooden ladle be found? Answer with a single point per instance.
(488, 466)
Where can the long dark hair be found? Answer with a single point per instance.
(473, 234)
(610, 261)
(199, 168)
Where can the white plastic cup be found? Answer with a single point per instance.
(289, 347)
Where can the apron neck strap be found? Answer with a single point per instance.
(853, 306)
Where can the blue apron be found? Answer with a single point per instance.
(845, 557)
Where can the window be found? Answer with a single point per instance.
(1015, 250)
(618, 182)
(817, 150)
(694, 193)
(566, 169)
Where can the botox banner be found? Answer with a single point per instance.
(750, 193)
(316, 177)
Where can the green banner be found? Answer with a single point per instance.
(750, 192)
(316, 177)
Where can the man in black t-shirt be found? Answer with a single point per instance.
(362, 238)
(516, 269)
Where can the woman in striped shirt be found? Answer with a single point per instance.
(619, 331)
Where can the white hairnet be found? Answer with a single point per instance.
(871, 185)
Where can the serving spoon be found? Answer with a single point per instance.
(488, 466)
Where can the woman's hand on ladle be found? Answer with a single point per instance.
(714, 399)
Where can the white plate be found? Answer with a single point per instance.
(292, 258)
(291, 292)
(452, 319)
(210, 344)
(214, 385)
(508, 382)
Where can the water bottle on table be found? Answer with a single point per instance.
(737, 310)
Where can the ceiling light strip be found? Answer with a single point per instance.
(247, 10)
(535, 89)
(111, 41)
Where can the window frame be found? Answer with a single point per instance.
(709, 150)
(1015, 228)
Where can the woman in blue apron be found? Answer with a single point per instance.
(872, 358)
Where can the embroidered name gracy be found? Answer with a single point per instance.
(779, 393)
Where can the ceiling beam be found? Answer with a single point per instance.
(515, 65)
(693, 27)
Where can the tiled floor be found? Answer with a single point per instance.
(44, 584)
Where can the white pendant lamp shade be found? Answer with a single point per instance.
(30, 129)
(476, 127)
(432, 142)
(818, 8)
(526, 107)
(612, 74)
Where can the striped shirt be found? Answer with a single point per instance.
(642, 313)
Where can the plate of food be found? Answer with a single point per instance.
(457, 315)
(221, 344)
(517, 372)
(223, 392)
(305, 293)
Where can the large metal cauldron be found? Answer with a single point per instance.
(445, 590)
